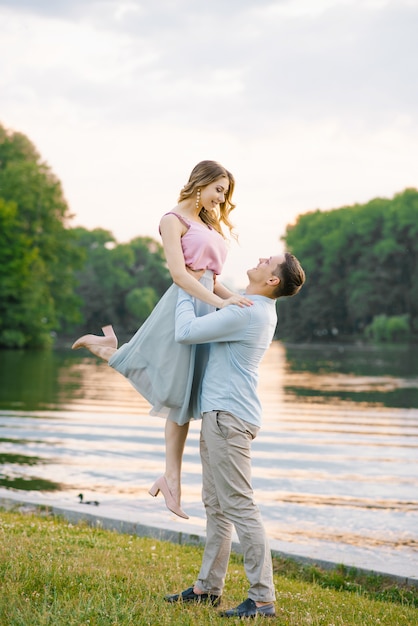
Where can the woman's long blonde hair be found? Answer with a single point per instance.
(203, 174)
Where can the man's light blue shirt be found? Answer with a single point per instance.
(239, 338)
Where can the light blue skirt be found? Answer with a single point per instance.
(166, 373)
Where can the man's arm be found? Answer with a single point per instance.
(227, 324)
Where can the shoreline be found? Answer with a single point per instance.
(153, 526)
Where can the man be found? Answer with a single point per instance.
(231, 418)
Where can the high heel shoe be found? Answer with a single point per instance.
(161, 485)
(87, 341)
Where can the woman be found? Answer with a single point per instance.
(166, 373)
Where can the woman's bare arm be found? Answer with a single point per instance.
(222, 291)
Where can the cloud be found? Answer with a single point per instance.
(312, 104)
(185, 61)
(45, 8)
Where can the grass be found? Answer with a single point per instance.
(58, 574)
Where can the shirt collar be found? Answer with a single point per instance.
(255, 297)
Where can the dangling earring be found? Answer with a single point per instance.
(198, 200)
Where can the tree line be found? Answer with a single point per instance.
(118, 284)
(56, 280)
(361, 263)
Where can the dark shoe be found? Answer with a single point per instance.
(190, 596)
(248, 608)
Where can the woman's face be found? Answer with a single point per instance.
(214, 194)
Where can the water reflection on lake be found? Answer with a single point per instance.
(335, 463)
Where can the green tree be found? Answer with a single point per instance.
(140, 302)
(118, 283)
(360, 263)
(38, 253)
(388, 328)
(16, 261)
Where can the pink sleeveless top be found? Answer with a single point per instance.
(203, 247)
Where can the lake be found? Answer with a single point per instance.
(335, 466)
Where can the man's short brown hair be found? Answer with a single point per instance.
(291, 274)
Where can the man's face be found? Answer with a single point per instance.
(265, 268)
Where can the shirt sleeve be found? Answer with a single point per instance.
(228, 324)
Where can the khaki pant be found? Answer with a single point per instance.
(225, 445)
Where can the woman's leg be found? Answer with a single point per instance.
(103, 347)
(169, 483)
(175, 439)
(101, 351)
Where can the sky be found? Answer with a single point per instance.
(311, 104)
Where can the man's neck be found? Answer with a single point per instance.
(256, 290)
